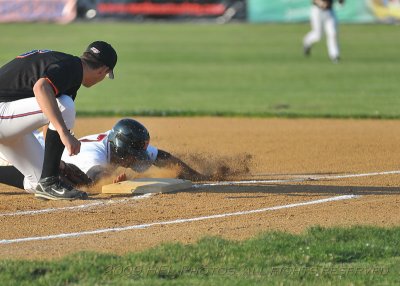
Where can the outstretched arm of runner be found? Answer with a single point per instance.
(165, 159)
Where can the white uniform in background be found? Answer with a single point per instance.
(323, 19)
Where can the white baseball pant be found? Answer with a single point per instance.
(18, 121)
(325, 19)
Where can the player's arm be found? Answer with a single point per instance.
(165, 159)
(46, 99)
(44, 131)
(96, 173)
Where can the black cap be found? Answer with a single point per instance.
(105, 53)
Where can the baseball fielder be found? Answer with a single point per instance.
(323, 18)
(126, 145)
(38, 88)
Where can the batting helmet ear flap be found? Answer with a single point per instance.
(128, 141)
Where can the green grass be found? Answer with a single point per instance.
(228, 70)
(340, 256)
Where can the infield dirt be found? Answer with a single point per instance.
(230, 149)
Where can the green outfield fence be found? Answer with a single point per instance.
(360, 11)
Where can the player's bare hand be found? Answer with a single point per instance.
(72, 144)
(120, 178)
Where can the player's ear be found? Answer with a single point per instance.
(103, 70)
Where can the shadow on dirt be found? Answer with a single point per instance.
(299, 190)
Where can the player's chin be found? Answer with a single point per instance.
(88, 84)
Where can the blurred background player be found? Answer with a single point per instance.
(323, 18)
(125, 145)
(38, 88)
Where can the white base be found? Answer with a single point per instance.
(147, 185)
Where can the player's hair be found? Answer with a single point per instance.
(91, 61)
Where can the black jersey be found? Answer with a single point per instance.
(328, 3)
(64, 72)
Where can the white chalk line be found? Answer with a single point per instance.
(177, 221)
(225, 183)
(75, 208)
(308, 178)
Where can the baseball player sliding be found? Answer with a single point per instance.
(323, 18)
(126, 145)
(38, 88)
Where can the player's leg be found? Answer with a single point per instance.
(20, 117)
(331, 31)
(315, 34)
(26, 155)
(19, 147)
(53, 144)
(49, 185)
(9, 175)
(3, 161)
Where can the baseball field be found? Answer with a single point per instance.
(306, 153)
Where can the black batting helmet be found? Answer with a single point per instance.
(128, 142)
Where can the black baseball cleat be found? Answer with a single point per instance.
(335, 60)
(307, 51)
(52, 188)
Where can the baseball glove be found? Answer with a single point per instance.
(74, 176)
